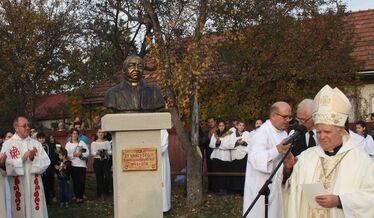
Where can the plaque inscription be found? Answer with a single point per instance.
(139, 159)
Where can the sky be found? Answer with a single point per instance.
(356, 5)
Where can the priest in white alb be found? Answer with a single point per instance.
(343, 172)
(3, 209)
(25, 161)
(266, 151)
(166, 180)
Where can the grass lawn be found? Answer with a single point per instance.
(91, 208)
(215, 206)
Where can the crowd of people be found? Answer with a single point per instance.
(329, 172)
(257, 152)
(30, 159)
(226, 147)
(331, 154)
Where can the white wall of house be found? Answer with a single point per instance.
(367, 100)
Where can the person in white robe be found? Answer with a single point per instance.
(166, 180)
(220, 157)
(8, 207)
(361, 129)
(238, 144)
(234, 121)
(258, 123)
(360, 140)
(339, 165)
(3, 208)
(265, 153)
(25, 161)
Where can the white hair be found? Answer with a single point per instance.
(307, 104)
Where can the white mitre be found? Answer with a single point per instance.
(331, 106)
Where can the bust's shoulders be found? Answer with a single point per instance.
(120, 86)
(149, 87)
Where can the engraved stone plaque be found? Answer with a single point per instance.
(139, 159)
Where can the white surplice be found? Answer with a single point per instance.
(25, 181)
(358, 139)
(263, 157)
(239, 152)
(222, 152)
(166, 180)
(369, 146)
(354, 182)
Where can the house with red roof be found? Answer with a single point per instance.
(50, 109)
(363, 23)
(364, 53)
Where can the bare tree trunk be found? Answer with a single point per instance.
(194, 163)
(194, 160)
(194, 177)
(195, 194)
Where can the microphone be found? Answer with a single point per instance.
(298, 131)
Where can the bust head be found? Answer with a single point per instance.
(133, 94)
(133, 68)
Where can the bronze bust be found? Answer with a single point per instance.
(133, 94)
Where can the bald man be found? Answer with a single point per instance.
(25, 161)
(266, 151)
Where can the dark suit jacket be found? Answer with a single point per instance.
(300, 145)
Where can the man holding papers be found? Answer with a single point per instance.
(337, 175)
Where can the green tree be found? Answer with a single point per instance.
(106, 42)
(164, 26)
(180, 67)
(35, 38)
(275, 51)
(265, 51)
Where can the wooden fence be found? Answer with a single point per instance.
(176, 153)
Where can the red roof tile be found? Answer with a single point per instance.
(96, 94)
(51, 106)
(363, 22)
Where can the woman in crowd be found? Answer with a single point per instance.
(8, 135)
(77, 153)
(361, 129)
(101, 151)
(238, 143)
(220, 158)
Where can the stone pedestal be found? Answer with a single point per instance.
(136, 193)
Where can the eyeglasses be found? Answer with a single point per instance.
(25, 126)
(286, 117)
(303, 120)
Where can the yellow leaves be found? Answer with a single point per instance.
(196, 73)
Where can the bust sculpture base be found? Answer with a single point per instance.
(137, 192)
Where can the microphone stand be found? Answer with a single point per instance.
(265, 188)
